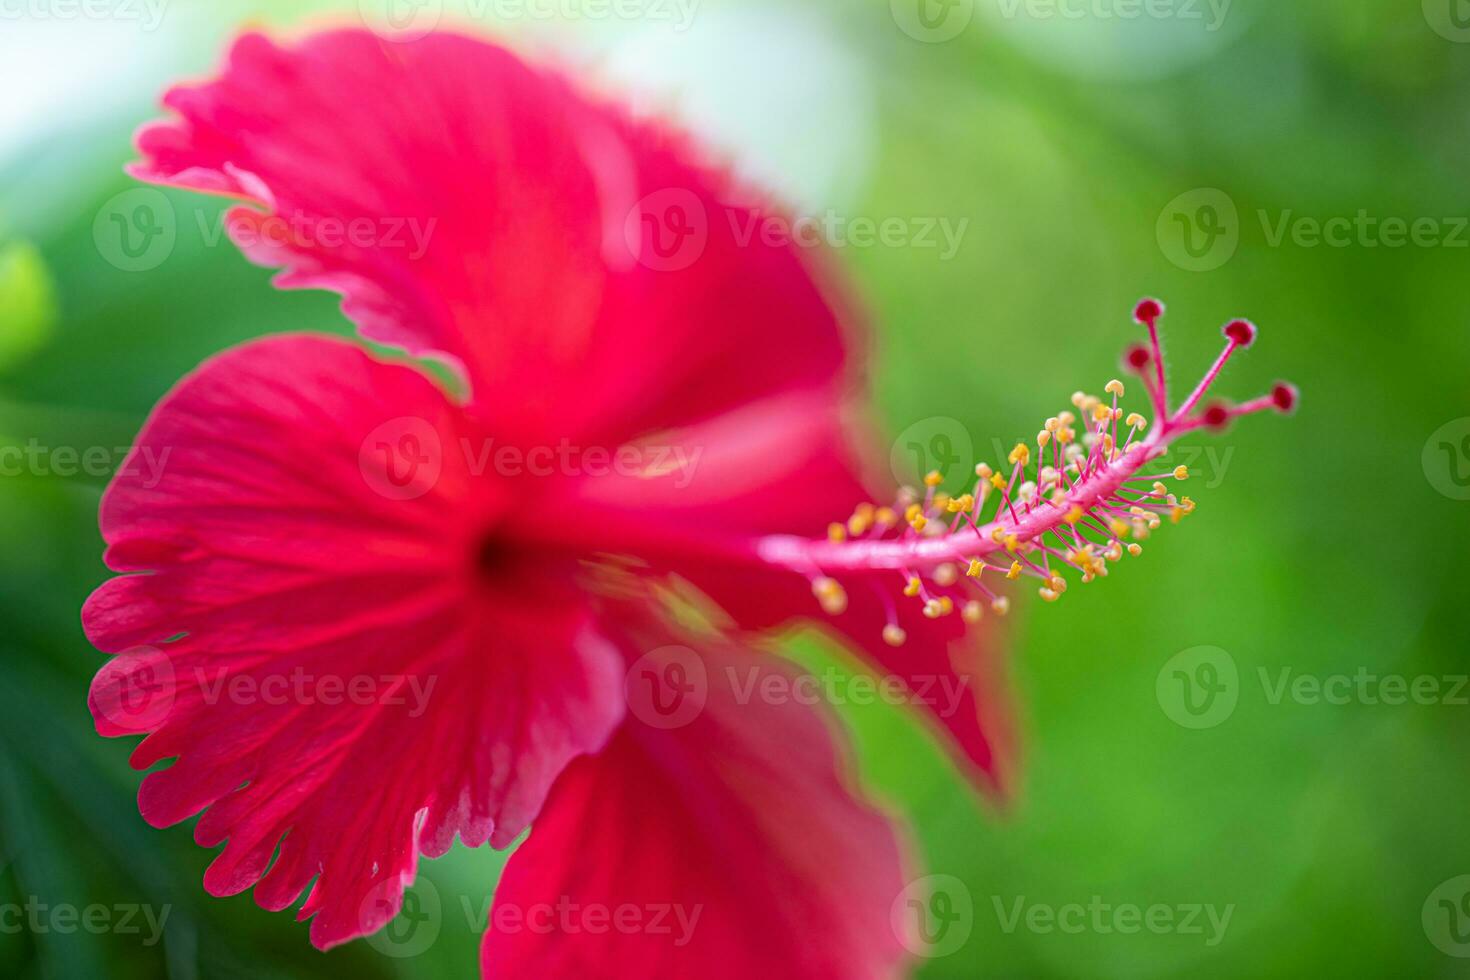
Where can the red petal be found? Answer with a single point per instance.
(344, 680)
(729, 846)
(506, 221)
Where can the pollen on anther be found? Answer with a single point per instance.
(894, 635)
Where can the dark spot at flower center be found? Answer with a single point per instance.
(492, 557)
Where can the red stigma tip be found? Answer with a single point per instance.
(1148, 311)
(1137, 357)
(1216, 416)
(1284, 397)
(1243, 332)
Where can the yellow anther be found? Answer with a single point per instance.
(836, 532)
(1053, 423)
(933, 609)
(1181, 472)
(983, 471)
(1114, 387)
(1102, 413)
(913, 511)
(1065, 436)
(1074, 515)
(1136, 421)
(1187, 505)
(972, 612)
(1057, 584)
(999, 482)
(1078, 397)
(857, 524)
(998, 535)
(1161, 490)
(976, 568)
(1114, 552)
(1048, 594)
(1135, 550)
(1042, 438)
(1012, 542)
(933, 478)
(913, 587)
(1020, 455)
(1066, 418)
(1001, 605)
(941, 501)
(946, 574)
(885, 517)
(919, 523)
(946, 605)
(865, 512)
(1176, 513)
(893, 635)
(831, 595)
(1015, 571)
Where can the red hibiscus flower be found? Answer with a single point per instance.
(365, 612)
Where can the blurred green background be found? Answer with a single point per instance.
(1077, 146)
